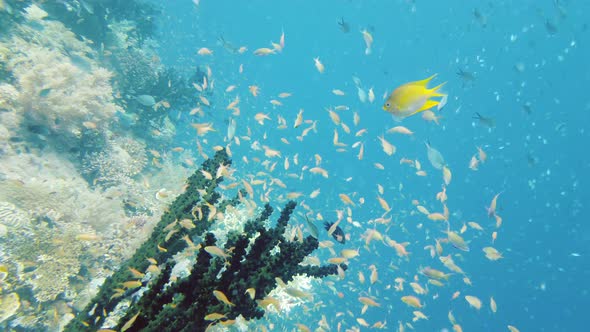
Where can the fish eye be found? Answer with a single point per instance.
(387, 104)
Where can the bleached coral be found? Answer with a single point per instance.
(121, 170)
(13, 217)
(34, 13)
(10, 121)
(8, 97)
(54, 251)
(42, 183)
(9, 305)
(233, 221)
(289, 302)
(133, 57)
(51, 278)
(59, 86)
(122, 158)
(59, 96)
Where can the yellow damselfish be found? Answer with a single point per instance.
(412, 98)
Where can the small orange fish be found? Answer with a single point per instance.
(89, 125)
(412, 301)
(254, 90)
(132, 284)
(264, 51)
(473, 301)
(318, 65)
(368, 301)
(492, 208)
(282, 40)
(222, 298)
(400, 130)
(388, 148)
(204, 51)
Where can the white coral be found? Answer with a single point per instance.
(288, 302)
(234, 220)
(13, 217)
(34, 13)
(59, 86)
(122, 158)
(8, 96)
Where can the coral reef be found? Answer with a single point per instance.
(166, 240)
(234, 220)
(254, 258)
(61, 231)
(56, 186)
(8, 96)
(58, 233)
(122, 158)
(9, 305)
(61, 91)
(183, 305)
(136, 71)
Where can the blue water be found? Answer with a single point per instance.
(524, 67)
(537, 160)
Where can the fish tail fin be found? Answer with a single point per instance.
(427, 105)
(424, 82)
(434, 91)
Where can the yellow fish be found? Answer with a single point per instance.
(222, 298)
(412, 98)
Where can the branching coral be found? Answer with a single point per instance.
(183, 305)
(167, 239)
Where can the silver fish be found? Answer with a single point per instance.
(231, 129)
(435, 157)
(313, 230)
(146, 100)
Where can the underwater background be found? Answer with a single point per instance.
(107, 107)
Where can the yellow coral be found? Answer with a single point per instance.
(9, 305)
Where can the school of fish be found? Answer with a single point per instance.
(278, 154)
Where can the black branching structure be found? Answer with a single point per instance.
(162, 244)
(252, 262)
(184, 305)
